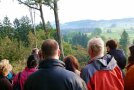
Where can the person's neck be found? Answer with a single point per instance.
(93, 57)
(52, 57)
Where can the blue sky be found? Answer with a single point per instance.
(73, 10)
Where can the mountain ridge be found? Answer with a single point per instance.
(98, 23)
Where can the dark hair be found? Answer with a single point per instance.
(49, 47)
(131, 57)
(71, 63)
(112, 44)
(31, 61)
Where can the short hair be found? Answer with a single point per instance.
(32, 61)
(71, 63)
(112, 44)
(131, 57)
(49, 47)
(5, 66)
(96, 45)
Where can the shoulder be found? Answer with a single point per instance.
(75, 81)
(67, 78)
(88, 71)
(131, 69)
(90, 68)
(4, 81)
(77, 72)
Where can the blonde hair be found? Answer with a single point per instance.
(96, 45)
(5, 67)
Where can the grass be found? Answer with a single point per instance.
(116, 34)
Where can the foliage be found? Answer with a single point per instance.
(6, 29)
(77, 39)
(10, 51)
(109, 31)
(81, 54)
(18, 39)
(124, 41)
(68, 50)
(97, 32)
(22, 27)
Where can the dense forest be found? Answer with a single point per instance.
(17, 39)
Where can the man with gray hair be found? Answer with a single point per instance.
(102, 72)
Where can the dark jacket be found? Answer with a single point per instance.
(119, 57)
(103, 74)
(5, 83)
(53, 76)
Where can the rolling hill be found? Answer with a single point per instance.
(89, 25)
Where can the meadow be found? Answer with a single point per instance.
(116, 33)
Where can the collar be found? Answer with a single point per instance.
(95, 58)
(49, 63)
(30, 69)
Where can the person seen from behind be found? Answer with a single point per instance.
(102, 72)
(52, 74)
(21, 77)
(72, 64)
(5, 68)
(129, 79)
(118, 54)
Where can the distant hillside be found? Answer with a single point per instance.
(90, 24)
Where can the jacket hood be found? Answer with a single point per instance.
(107, 62)
(48, 63)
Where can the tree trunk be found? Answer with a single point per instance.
(58, 28)
(43, 21)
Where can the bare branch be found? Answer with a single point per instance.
(48, 4)
(28, 5)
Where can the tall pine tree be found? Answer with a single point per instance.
(124, 41)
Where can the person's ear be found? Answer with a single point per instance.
(90, 52)
(108, 49)
(59, 52)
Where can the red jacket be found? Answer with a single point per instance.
(103, 74)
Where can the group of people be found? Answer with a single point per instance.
(44, 70)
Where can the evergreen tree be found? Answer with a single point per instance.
(96, 32)
(80, 39)
(6, 29)
(124, 41)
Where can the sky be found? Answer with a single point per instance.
(73, 10)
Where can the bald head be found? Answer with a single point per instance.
(49, 48)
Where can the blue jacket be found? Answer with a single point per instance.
(53, 76)
(119, 56)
